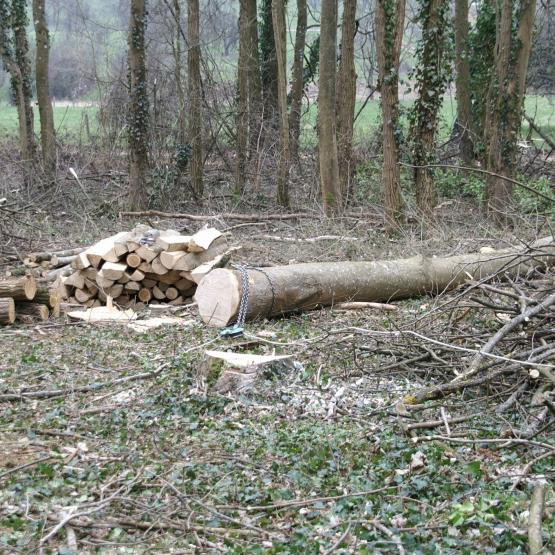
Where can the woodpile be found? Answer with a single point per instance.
(25, 300)
(142, 266)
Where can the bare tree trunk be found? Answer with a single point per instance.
(346, 97)
(505, 100)
(390, 20)
(431, 87)
(462, 82)
(195, 97)
(47, 136)
(278, 14)
(253, 77)
(180, 90)
(327, 139)
(297, 80)
(242, 100)
(269, 67)
(138, 106)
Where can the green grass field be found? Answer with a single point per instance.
(70, 120)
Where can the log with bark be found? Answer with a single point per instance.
(7, 311)
(282, 289)
(20, 289)
(32, 310)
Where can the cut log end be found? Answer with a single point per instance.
(20, 289)
(218, 297)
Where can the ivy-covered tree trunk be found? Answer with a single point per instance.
(482, 40)
(138, 111)
(21, 50)
(297, 80)
(327, 139)
(462, 66)
(195, 96)
(278, 12)
(346, 97)
(46, 113)
(390, 20)
(505, 100)
(14, 55)
(269, 68)
(242, 123)
(431, 76)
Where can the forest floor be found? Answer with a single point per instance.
(119, 449)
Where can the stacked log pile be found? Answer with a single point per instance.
(26, 300)
(142, 266)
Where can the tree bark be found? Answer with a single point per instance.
(253, 77)
(505, 101)
(390, 20)
(47, 136)
(7, 311)
(462, 83)
(278, 13)
(297, 80)
(327, 138)
(269, 67)
(20, 289)
(195, 97)
(138, 106)
(346, 97)
(180, 90)
(283, 289)
(242, 100)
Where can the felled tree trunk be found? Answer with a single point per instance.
(282, 289)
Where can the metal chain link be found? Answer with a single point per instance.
(243, 305)
(239, 326)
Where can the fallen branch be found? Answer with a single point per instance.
(364, 305)
(304, 502)
(436, 423)
(539, 131)
(535, 541)
(49, 394)
(239, 217)
(225, 215)
(277, 238)
(23, 466)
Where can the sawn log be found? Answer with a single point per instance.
(282, 289)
